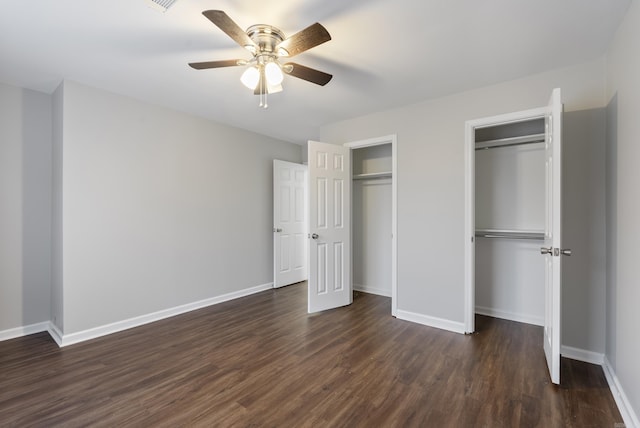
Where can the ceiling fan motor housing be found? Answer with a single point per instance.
(266, 37)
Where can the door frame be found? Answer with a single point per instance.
(377, 141)
(470, 203)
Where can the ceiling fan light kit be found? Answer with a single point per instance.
(250, 77)
(267, 44)
(273, 73)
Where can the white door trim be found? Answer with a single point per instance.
(469, 201)
(388, 139)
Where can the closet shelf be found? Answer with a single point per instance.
(385, 174)
(510, 234)
(509, 142)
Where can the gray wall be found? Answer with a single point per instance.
(25, 200)
(583, 230)
(159, 208)
(623, 205)
(612, 228)
(431, 176)
(57, 290)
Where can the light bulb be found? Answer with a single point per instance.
(273, 74)
(250, 77)
(272, 89)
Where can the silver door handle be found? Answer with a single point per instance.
(544, 250)
(566, 252)
(314, 236)
(277, 229)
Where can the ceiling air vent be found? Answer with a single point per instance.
(161, 5)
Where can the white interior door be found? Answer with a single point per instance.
(329, 226)
(290, 223)
(552, 249)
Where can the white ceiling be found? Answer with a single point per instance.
(384, 53)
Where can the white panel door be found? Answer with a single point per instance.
(290, 223)
(552, 249)
(329, 226)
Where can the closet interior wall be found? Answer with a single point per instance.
(371, 223)
(509, 217)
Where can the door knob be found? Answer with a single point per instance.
(314, 236)
(277, 229)
(544, 250)
(566, 252)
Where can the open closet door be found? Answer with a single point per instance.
(552, 249)
(329, 226)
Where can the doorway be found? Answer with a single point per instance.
(330, 185)
(504, 210)
(548, 233)
(386, 144)
(374, 216)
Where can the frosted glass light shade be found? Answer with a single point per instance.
(273, 74)
(250, 77)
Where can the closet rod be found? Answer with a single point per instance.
(511, 235)
(372, 176)
(508, 145)
(510, 142)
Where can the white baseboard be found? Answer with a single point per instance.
(25, 330)
(624, 406)
(511, 316)
(372, 290)
(55, 333)
(456, 327)
(93, 333)
(582, 355)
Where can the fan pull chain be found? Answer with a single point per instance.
(263, 89)
(260, 82)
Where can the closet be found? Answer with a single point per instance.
(510, 221)
(372, 218)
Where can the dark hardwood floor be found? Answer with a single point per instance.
(263, 361)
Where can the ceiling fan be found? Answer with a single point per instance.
(267, 44)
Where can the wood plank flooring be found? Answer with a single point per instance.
(263, 361)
